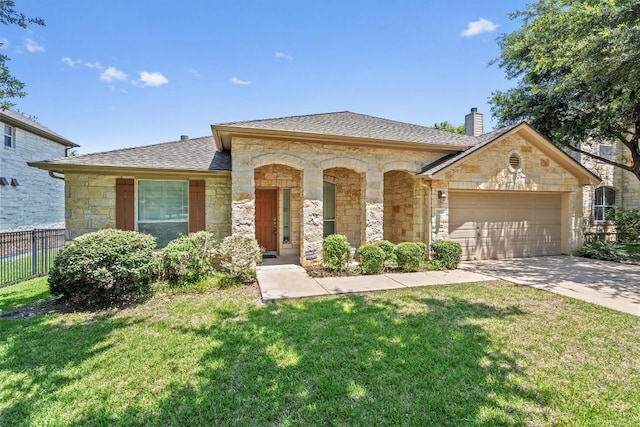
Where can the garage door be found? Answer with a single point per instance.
(505, 225)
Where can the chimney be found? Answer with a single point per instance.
(184, 137)
(473, 123)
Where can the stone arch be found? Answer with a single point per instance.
(402, 165)
(279, 158)
(344, 162)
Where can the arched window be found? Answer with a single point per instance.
(603, 202)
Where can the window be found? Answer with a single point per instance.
(604, 201)
(163, 209)
(606, 151)
(9, 141)
(329, 208)
(286, 215)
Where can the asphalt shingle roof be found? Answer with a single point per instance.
(482, 141)
(193, 154)
(350, 124)
(20, 120)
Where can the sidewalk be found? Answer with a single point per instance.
(292, 281)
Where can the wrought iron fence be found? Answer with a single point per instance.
(27, 254)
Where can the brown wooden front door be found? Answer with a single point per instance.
(266, 218)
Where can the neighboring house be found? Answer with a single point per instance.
(29, 198)
(290, 181)
(619, 188)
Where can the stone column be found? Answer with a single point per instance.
(374, 199)
(243, 194)
(312, 216)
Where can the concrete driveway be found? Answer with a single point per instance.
(608, 284)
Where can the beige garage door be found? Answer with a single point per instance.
(505, 225)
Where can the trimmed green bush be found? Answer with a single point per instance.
(390, 258)
(627, 222)
(447, 253)
(336, 252)
(608, 251)
(410, 255)
(188, 259)
(105, 266)
(238, 256)
(371, 259)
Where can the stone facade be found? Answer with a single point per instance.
(357, 171)
(38, 200)
(491, 169)
(91, 203)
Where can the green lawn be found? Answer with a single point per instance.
(23, 293)
(477, 354)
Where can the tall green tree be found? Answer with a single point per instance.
(11, 87)
(577, 63)
(449, 127)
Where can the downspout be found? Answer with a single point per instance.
(52, 174)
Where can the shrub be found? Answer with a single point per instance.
(447, 253)
(336, 252)
(104, 266)
(609, 251)
(238, 256)
(188, 259)
(390, 258)
(410, 255)
(371, 259)
(627, 222)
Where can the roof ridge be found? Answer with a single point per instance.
(286, 117)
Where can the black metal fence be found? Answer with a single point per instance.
(27, 254)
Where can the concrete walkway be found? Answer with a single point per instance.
(608, 284)
(292, 281)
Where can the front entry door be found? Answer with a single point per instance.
(266, 218)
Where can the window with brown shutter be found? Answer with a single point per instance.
(125, 204)
(196, 206)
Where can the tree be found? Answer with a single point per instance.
(449, 127)
(11, 87)
(578, 66)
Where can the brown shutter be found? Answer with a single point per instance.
(196, 206)
(125, 204)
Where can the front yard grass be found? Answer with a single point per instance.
(23, 293)
(476, 354)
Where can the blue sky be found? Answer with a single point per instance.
(113, 74)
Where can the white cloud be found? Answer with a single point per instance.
(152, 79)
(4, 42)
(33, 46)
(70, 62)
(480, 26)
(282, 55)
(112, 74)
(94, 64)
(237, 81)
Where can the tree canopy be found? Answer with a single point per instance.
(11, 87)
(449, 127)
(577, 63)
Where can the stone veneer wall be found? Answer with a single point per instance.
(91, 203)
(349, 203)
(399, 206)
(489, 169)
(313, 158)
(38, 200)
(281, 177)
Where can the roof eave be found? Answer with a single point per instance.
(222, 136)
(119, 170)
(26, 126)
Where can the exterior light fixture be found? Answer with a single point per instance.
(442, 196)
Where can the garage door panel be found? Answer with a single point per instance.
(501, 225)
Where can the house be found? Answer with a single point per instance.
(290, 181)
(618, 188)
(29, 198)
